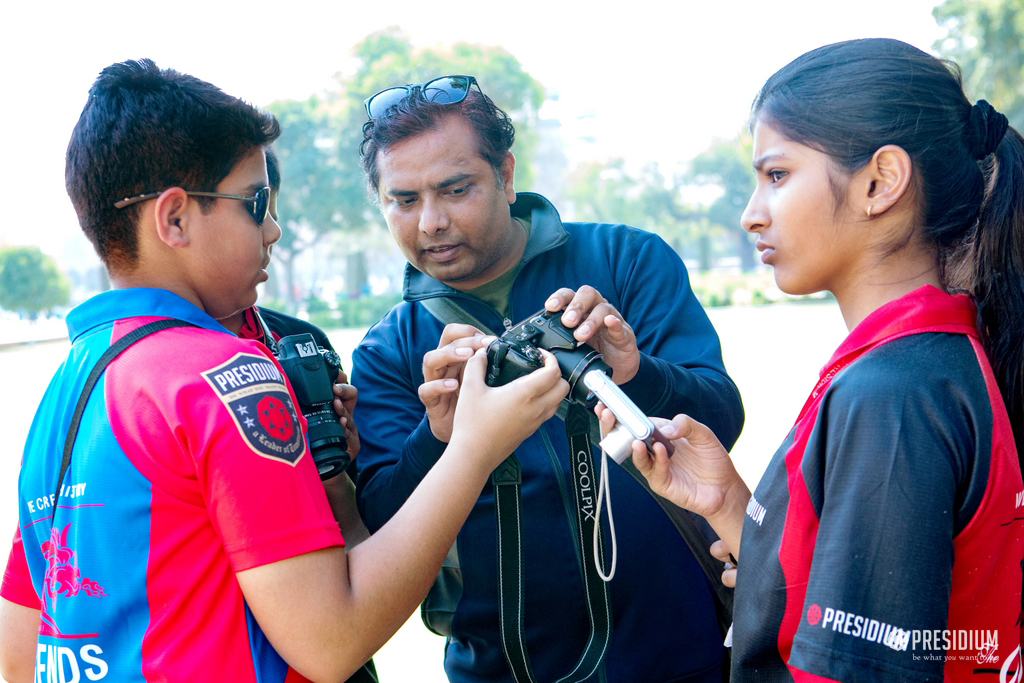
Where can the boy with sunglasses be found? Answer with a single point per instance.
(437, 161)
(266, 326)
(176, 529)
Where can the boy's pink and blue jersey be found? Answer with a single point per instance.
(190, 465)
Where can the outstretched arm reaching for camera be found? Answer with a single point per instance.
(328, 611)
(19, 626)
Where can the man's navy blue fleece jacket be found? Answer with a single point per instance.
(664, 623)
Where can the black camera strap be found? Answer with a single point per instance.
(110, 354)
(268, 336)
(693, 529)
(507, 481)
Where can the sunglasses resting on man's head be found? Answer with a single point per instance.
(257, 205)
(442, 90)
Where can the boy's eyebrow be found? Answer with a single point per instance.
(252, 188)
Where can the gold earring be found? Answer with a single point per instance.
(869, 212)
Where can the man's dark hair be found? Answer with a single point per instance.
(415, 115)
(145, 129)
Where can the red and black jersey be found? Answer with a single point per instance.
(884, 541)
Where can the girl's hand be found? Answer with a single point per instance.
(699, 476)
(720, 551)
(495, 420)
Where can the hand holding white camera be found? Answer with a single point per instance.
(699, 475)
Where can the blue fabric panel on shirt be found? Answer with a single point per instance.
(270, 668)
(87, 578)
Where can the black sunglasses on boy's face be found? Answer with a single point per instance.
(257, 205)
(442, 90)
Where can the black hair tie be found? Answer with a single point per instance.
(985, 129)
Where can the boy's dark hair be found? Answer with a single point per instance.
(415, 115)
(273, 170)
(849, 99)
(145, 129)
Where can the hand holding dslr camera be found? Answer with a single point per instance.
(517, 353)
(312, 370)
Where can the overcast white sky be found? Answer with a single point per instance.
(662, 77)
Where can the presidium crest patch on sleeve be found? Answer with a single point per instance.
(254, 391)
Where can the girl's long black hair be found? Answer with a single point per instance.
(851, 98)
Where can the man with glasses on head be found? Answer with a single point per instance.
(481, 258)
(172, 523)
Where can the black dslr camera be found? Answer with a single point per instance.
(517, 353)
(312, 370)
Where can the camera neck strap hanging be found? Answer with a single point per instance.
(268, 337)
(694, 530)
(507, 481)
(109, 355)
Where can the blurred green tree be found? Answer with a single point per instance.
(604, 192)
(30, 282)
(323, 191)
(648, 199)
(727, 165)
(682, 224)
(985, 37)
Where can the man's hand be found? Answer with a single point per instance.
(598, 323)
(345, 396)
(442, 375)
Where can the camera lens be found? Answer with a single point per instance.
(312, 371)
(327, 442)
(574, 365)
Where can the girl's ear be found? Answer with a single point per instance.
(884, 181)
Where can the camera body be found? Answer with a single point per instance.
(517, 353)
(312, 370)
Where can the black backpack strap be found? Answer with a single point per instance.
(110, 354)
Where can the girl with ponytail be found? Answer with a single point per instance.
(884, 541)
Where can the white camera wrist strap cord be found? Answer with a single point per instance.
(604, 493)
